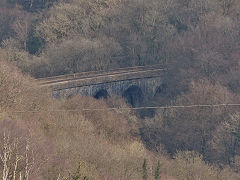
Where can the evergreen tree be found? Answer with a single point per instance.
(157, 172)
(144, 167)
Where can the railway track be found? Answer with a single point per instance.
(97, 74)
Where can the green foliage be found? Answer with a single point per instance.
(144, 170)
(34, 44)
(157, 171)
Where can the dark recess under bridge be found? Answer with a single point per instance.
(136, 84)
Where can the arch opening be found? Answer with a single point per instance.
(133, 96)
(101, 94)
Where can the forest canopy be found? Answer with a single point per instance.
(197, 41)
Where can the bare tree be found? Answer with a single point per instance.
(227, 6)
(21, 28)
(19, 152)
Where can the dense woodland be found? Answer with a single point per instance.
(198, 42)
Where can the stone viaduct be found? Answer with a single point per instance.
(136, 84)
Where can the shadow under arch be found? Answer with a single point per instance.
(101, 94)
(133, 96)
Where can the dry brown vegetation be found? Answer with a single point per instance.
(50, 138)
(45, 138)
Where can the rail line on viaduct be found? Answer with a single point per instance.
(136, 84)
